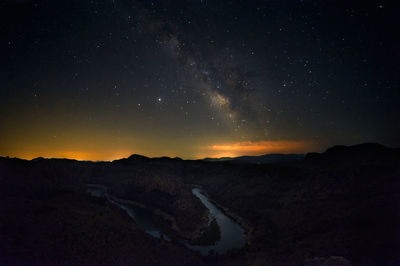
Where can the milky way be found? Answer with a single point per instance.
(104, 79)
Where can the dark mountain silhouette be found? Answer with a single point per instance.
(338, 206)
(267, 158)
(362, 153)
(134, 158)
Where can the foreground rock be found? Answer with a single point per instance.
(331, 261)
(345, 201)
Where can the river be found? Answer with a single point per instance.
(232, 234)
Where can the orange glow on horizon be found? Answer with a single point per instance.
(233, 149)
(76, 155)
(255, 148)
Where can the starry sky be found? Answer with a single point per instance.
(103, 79)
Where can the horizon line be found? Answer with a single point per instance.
(184, 159)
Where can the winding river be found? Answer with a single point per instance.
(142, 216)
(232, 234)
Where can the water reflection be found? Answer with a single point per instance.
(142, 216)
(232, 234)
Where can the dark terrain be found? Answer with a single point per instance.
(296, 211)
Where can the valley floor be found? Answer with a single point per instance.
(337, 208)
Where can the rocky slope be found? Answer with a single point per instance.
(343, 203)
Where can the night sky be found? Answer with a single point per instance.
(103, 79)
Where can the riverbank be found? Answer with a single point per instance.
(216, 233)
(201, 226)
(248, 228)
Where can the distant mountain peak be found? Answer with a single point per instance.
(266, 158)
(359, 147)
(360, 153)
(138, 157)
